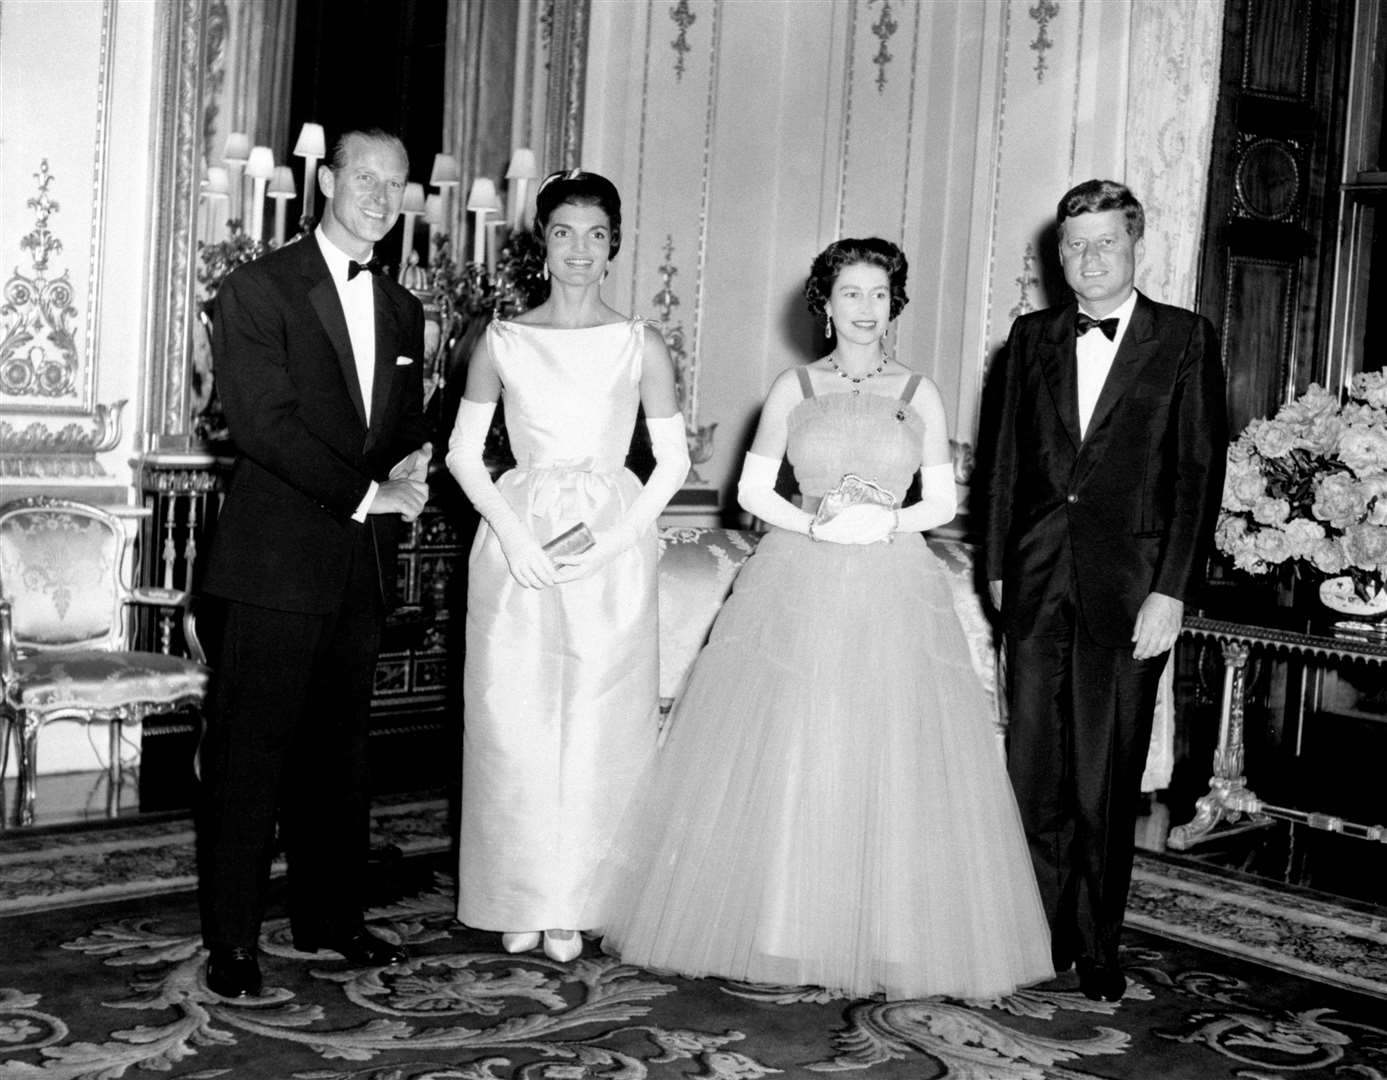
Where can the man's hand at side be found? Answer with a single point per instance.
(1157, 626)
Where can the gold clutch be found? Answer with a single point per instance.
(852, 490)
(573, 541)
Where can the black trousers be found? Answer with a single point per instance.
(285, 751)
(1079, 726)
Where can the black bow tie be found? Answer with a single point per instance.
(1084, 323)
(374, 267)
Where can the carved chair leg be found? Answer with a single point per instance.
(28, 767)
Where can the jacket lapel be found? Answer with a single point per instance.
(322, 294)
(1139, 344)
(1055, 353)
(387, 337)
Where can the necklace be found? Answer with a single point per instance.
(856, 389)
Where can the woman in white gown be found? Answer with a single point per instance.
(560, 680)
(831, 806)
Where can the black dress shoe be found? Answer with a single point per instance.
(360, 947)
(1101, 982)
(233, 973)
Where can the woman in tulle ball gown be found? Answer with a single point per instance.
(560, 680)
(831, 806)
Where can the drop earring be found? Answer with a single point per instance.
(546, 270)
(828, 326)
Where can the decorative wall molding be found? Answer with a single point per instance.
(1042, 13)
(36, 451)
(178, 143)
(884, 28)
(39, 364)
(683, 18)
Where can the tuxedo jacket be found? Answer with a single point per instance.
(306, 452)
(1130, 505)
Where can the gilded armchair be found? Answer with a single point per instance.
(65, 632)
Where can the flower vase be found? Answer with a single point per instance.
(1358, 617)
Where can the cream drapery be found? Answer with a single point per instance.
(1172, 95)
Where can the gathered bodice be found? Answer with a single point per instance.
(570, 395)
(878, 438)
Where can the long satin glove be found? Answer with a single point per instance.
(671, 449)
(938, 501)
(757, 495)
(528, 563)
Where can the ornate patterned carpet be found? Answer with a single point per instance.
(100, 977)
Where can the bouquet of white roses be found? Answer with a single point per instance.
(1309, 487)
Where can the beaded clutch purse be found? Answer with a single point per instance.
(572, 541)
(852, 490)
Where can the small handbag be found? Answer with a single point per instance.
(572, 541)
(852, 490)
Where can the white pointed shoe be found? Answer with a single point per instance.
(563, 945)
(514, 943)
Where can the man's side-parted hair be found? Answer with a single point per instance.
(1096, 196)
(337, 160)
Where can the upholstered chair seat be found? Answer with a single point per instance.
(65, 634)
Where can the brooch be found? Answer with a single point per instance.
(900, 415)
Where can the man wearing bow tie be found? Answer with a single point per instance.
(1103, 485)
(319, 368)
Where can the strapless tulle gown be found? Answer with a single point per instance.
(831, 806)
(560, 685)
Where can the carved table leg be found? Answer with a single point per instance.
(1229, 797)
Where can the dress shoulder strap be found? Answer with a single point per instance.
(804, 382)
(910, 386)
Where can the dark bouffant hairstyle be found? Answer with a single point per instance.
(873, 251)
(338, 158)
(1096, 196)
(581, 189)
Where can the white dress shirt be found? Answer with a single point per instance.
(1094, 354)
(358, 298)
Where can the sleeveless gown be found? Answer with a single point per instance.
(560, 685)
(831, 806)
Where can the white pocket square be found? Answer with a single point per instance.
(403, 361)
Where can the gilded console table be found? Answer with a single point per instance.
(1229, 798)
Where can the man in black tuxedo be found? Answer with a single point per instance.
(1103, 485)
(319, 366)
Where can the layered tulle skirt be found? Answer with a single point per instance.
(831, 805)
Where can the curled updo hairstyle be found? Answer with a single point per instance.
(873, 251)
(1096, 196)
(580, 189)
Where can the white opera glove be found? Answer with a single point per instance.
(866, 523)
(670, 447)
(526, 559)
(938, 501)
(756, 495)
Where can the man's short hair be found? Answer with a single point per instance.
(337, 160)
(1096, 196)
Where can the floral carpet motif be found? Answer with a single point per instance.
(101, 978)
(130, 998)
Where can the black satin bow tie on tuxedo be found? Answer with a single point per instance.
(1084, 323)
(375, 267)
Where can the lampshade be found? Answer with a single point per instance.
(237, 148)
(217, 185)
(522, 165)
(483, 195)
(261, 163)
(414, 199)
(445, 170)
(433, 210)
(282, 183)
(311, 142)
